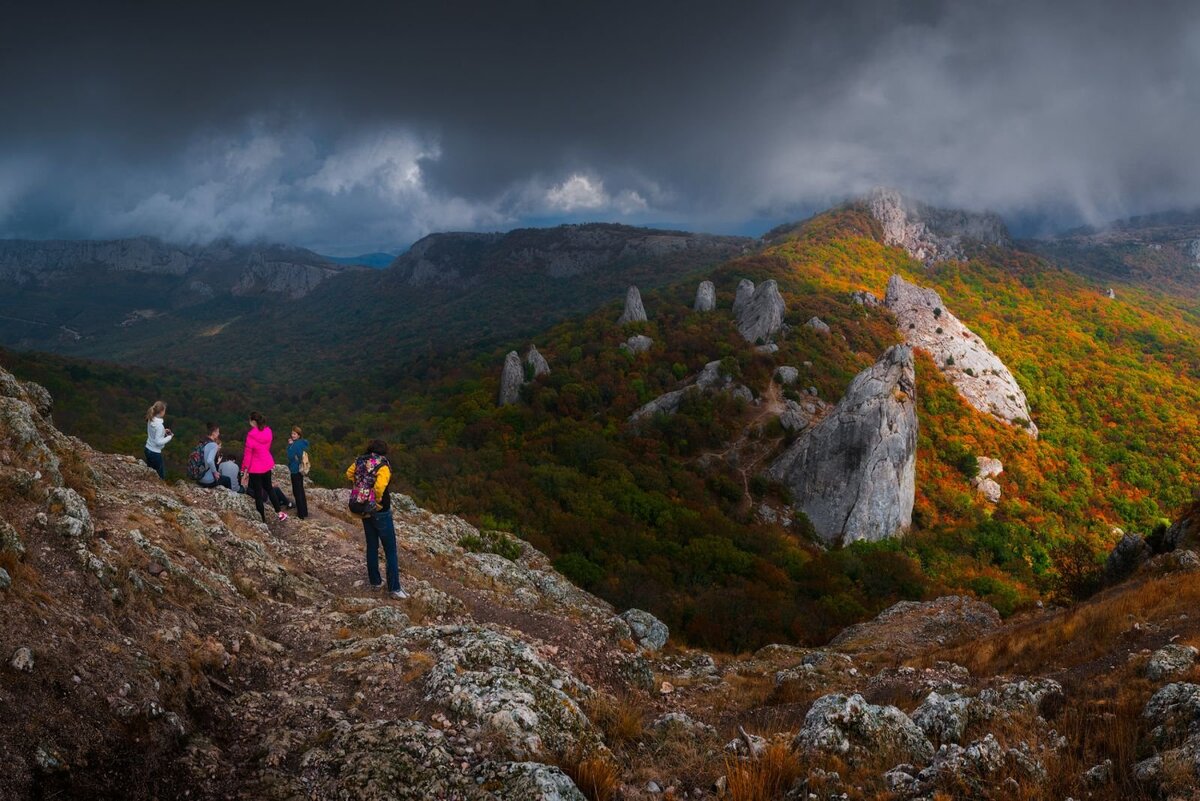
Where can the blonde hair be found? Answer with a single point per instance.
(157, 410)
(298, 431)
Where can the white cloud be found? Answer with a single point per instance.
(577, 193)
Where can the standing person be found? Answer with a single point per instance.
(371, 498)
(209, 451)
(256, 466)
(157, 437)
(297, 453)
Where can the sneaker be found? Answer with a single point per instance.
(282, 516)
(375, 586)
(399, 595)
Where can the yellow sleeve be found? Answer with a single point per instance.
(382, 479)
(350, 472)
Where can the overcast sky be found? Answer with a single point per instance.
(350, 127)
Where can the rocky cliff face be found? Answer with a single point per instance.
(537, 362)
(759, 312)
(978, 374)
(512, 378)
(853, 474)
(930, 234)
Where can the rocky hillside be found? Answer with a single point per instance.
(159, 642)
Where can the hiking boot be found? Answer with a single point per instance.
(282, 516)
(399, 595)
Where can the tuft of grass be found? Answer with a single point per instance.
(595, 777)
(620, 718)
(764, 779)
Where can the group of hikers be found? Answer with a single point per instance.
(211, 466)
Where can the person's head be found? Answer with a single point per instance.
(377, 447)
(231, 455)
(214, 431)
(257, 420)
(157, 410)
(297, 433)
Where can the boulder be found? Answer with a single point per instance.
(1130, 553)
(745, 291)
(711, 379)
(1170, 659)
(800, 416)
(648, 631)
(760, 317)
(22, 660)
(976, 372)
(634, 311)
(863, 298)
(682, 723)
(537, 362)
(637, 344)
(512, 377)
(69, 514)
(984, 481)
(787, 375)
(854, 473)
(818, 325)
(851, 728)
(943, 718)
(706, 297)
(1173, 717)
(910, 627)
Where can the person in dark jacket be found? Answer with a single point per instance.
(377, 524)
(296, 449)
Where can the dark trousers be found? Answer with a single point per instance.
(380, 528)
(298, 495)
(260, 489)
(155, 461)
(222, 481)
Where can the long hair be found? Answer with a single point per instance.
(258, 419)
(157, 410)
(377, 447)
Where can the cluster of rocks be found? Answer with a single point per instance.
(513, 374)
(930, 234)
(711, 379)
(984, 481)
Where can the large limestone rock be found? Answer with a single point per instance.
(639, 343)
(706, 297)
(854, 473)
(849, 727)
(932, 235)
(537, 362)
(745, 291)
(978, 374)
(985, 481)
(634, 312)
(511, 379)
(647, 631)
(760, 316)
(910, 627)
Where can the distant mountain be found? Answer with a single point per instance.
(375, 260)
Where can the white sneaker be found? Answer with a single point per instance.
(399, 595)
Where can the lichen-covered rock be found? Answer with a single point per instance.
(943, 718)
(706, 297)
(849, 727)
(537, 362)
(854, 473)
(22, 660)
(69, 514)
(526, 781)
(639, 343)
(22, 437)
(648, 631)
(1170, 659)
(1024, 697)
(512, 377)
(634, 311)
(1173, 715)
(910, 627)
(681, 723)
(760, 317)
(976, 372)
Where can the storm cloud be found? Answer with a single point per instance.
(357, 126)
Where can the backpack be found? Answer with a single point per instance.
(195, 462)
(362, 494)
(305, 465)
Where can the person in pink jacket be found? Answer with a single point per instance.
(256, 466)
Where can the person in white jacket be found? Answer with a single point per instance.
(157, 436)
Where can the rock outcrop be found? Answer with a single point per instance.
(910, 627)
(800, 416)
(639, 343)
(537, 362)
(854, 475)
(634, 311)
(849, 727)
(745, 291)
(929, 234)
(645, 629)
(818, 325)
(978, 374)
(706, 297)
(512, 377)
(985, 482)
(760, 315)
(711, 379)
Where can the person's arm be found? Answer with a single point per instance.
(350, 472)
(382, 479)
(210, 459)
(158, 434)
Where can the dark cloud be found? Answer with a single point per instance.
(351, 126)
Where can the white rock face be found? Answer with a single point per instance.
(932, 235)
(787, 375)
(978, 374)
(706, 297)
(985, 482)
(634, 312)
(745, 291)
(511, 379)
(761, 315)
(537, 361)
(854, 474)
(818, 325)
(637, 344)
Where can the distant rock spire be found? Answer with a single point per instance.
(706, 297)
(511, 379)
(537, 361)
(760, 316)
(745, 291)
(634, 312)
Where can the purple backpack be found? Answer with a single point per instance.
(362, 492)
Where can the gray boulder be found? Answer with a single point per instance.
(537, 361)
(798, 417)
(854, 473)
(648, 631)
(943, 718)
(22, 660)
(985, 482)
(634, 312)
(1173, 716)
(787, 375)
(1130, 553)
(1172, 658)
(637, 344)
(818, 325)
(745, 291)
(69, 514)
(863, 298)
(706, 297)
(511, 379)
(760, 317)
(849, 727)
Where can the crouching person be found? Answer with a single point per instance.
(371, 499)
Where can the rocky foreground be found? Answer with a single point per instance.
(161, 642)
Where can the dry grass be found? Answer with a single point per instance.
(764, 779)
(620, 718)
(596, 778)
(419, 663)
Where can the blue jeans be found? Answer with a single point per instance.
(379, 527)
(155, 461)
